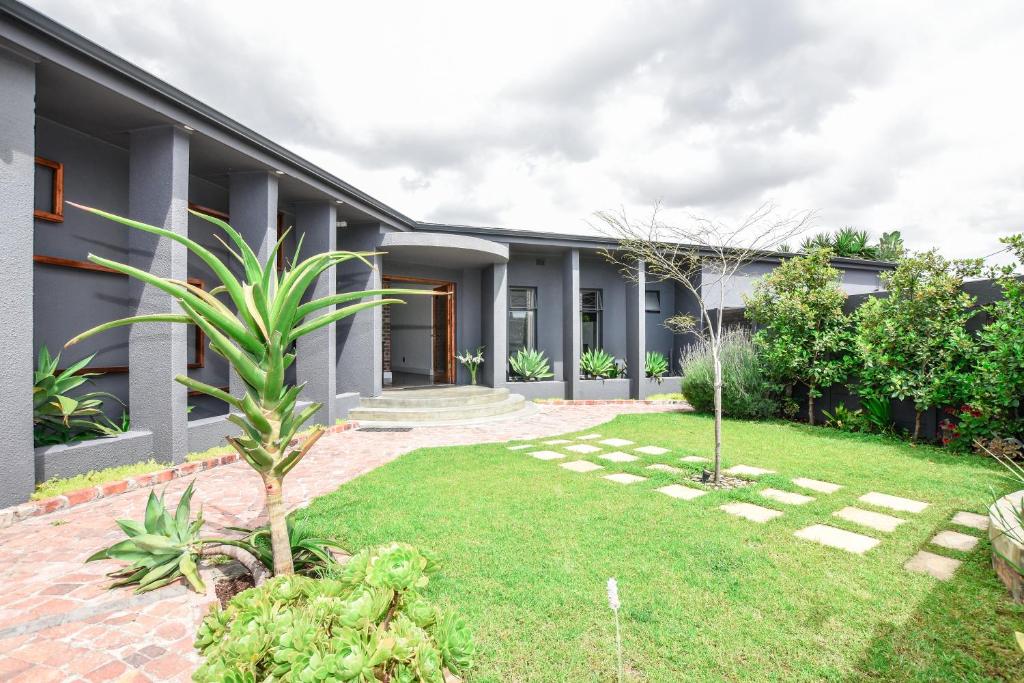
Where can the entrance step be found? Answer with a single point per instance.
(439, 405)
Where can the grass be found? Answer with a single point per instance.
(527, 548)
(58, 486)
(673, 396)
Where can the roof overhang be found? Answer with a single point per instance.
(444, 250)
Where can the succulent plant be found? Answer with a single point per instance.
(58, 417)
(530, 365)
(655, 365)
(598, 363)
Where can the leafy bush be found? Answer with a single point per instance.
(598, 363)
(746, 390)
(367, 621)
(57, 417)
(530, 365)
(655, 365)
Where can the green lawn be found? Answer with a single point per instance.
(527, 548)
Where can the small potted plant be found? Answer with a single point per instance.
(472, 360)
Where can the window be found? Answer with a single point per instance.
(522, 319)
(49, 190)
(652, 301)
(591, 305)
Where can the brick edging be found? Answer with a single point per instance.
(35, 508)
(612, 402)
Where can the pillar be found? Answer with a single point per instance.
(158, 195)
(17, 175)
(360, 337)
(636, 332)
(571, 335)
(316, 224)
(495, 290)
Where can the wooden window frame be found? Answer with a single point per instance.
(200, 338)
(448, 288)
(56, 194)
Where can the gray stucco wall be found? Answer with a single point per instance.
(659, 337)
(359, 338)
(597, 273)
(545, 272)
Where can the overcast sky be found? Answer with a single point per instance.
(881, 115)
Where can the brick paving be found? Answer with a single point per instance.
(58, 622)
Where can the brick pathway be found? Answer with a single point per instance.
(58, 622)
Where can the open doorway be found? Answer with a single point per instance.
(419, 336)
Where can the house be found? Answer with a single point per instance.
(78, 123)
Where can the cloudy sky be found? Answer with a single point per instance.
(882, 115)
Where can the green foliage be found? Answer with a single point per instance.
(890, 246)
(162, 548)
(877, 414)
(530, 365)
(58, 417)
(598, 363)
(913, 343)
(57, 485)
(366, 621)
(804, 336)
(311, 554)
(844, 419)
(655, 365)
(850, 242)
(746, 389)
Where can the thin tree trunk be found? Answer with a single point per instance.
(917, 424)
(810, 405)
(279, 541)
(718, 418)
(256, 570)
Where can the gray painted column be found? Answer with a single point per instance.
(158, 195)
(315, 357)
(17, 177)
(253, 211)
(571, 335)
(636, 332)
(495, 285)
(360, 337)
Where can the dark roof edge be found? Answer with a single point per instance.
(79, 43)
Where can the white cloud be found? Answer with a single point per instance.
(535, 114)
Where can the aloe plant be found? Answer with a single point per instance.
(58, 417)
(655, 365)
(598, 363)
(530, 365)
(255, 335)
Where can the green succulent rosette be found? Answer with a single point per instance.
(397, 566)
(454, 640)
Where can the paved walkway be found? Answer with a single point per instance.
(58, 622)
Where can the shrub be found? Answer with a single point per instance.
(746, 390)
(655, 365)
(530, 365)
(59, 418)
(366, 621)
(598, 363)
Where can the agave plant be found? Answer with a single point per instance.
(655, 365)
(255, 338)
(598, 363)
(60, 418)
(530, 365)
(853, 243)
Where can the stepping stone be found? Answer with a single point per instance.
(694, 458)
(748, 470)
(582, 448)
(623, 478)
(547, 455)
(556, 442)
(588, 437)
(837, 538)
(937, 566)
(815, 485)
(681, 492)
(954, 540)
(665, 468)
(617, 443)
(884, 500)
(787, 497)
(618, 456)
(972, 520)
(521, 447)
(651, 450)
(580, 466)
(872, 520)
(755, 513)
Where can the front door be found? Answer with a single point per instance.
(444, 334)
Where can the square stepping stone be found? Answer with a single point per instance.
(556, 442)
(972, 520)
(624, 478)
(580, 466)
(755, 513)
(588, 437)
(954, 540)
(618, 456)
(681, 492)
(617, 443)
(837, 538)
(521, 447)
(694, 458)
(748, 470)
(815, 485)
(547, 455)
(884, 500)
(665, 468)
(651, 450)
(936, 566)
(787, 497)
(872, 520)
(582, 448)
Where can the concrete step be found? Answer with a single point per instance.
(428, 414)
(442, 390)
(401, 399)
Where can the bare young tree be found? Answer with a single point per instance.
(703, 256)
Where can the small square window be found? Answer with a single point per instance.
(652, 301)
